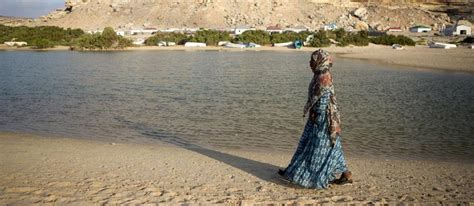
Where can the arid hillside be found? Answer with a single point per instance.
(128, 14)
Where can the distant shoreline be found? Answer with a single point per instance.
(418, 57)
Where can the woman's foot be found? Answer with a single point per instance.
(346, 178)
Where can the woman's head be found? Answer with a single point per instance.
(320, 61)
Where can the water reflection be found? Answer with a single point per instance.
(240, 100)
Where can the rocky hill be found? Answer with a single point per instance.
(127, 14)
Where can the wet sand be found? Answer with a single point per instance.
(418, 57)
(52, 170)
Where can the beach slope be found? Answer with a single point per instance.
(46, 170)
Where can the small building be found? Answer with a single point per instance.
(135, 31)
(274, 29)
(420, 29)
(170, 30)
(463, 30)
(330, 27)
(394, 29)
(297, 29)
(457, 30)
(241, 29)
(94, 32)
(15, 43)
(189, 30)
(120, 33)
(149, 31)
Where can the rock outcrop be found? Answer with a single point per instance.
(96, 14)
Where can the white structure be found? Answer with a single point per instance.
(330, 27)
(241, 29)
(195, 44)
(189, 30)
(394, 29)
(120, 33)
(297, 29)
(15, 43)
(458, 30)
(461, 28)
(149, 31)
(274, 29)
(94, 32)
(135, 31)
(170, 30)
(420, 29)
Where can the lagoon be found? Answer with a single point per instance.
(234, 100)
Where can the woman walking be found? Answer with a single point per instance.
(319, 157)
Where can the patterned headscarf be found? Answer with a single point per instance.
(321, 63)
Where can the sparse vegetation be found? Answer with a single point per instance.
(392, 39)
(320, 39)
(40, 37)
(344, 38)
(210, 37)
(256, 36)
(42, 44)
(107, 40)
(178, 38)
(289, 36)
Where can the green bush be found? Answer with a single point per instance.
(178, 38)
(256, 36)
(108, 39)
(345, 38)
(289, 36)
(210, 37)
(392, 39)
(42, 44)
(320, 39)
(31, 35)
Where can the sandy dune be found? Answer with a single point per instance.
(45, 170)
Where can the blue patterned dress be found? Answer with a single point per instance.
(315, 162)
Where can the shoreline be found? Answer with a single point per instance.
(56, 170)
(418, 57)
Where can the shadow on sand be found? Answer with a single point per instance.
(261, 170)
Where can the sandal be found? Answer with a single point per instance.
(281, 172)
(342, 181)
(346, 178)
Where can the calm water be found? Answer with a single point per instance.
(238, 100)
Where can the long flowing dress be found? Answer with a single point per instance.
(316, 162)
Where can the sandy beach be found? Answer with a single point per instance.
(418, 57)
(63, 171)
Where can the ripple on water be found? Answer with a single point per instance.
(238, 100)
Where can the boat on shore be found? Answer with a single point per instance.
(232, 45)
(397, 47)
(195, 44)
(441, 45)
(284, 44)
(298, 44)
